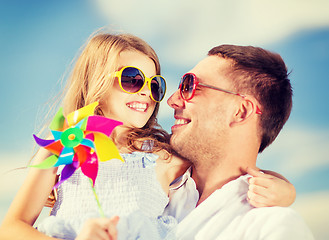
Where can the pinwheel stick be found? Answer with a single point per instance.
(101, 212)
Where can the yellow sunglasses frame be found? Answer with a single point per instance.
(118, 74)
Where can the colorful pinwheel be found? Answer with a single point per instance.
(80, 140)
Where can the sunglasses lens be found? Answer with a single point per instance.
(158, 88)
(132, 79)
(186, 86)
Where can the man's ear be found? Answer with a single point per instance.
(246, 109)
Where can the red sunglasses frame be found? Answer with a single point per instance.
(197, 83)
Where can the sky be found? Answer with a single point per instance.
(39, 40)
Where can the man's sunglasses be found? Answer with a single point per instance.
(132, 80)
(189, 83)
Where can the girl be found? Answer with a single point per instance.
(116, 71)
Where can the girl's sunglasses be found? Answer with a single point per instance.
(132, 80)
(189, 83)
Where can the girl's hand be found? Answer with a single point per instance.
(269, 189)
(99, 229)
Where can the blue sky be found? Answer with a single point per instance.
(39, 39)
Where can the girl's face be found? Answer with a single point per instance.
(134, 110)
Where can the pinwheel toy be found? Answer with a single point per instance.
(80, 140)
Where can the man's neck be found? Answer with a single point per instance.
(212, 178)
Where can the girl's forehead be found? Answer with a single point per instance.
(139, 60)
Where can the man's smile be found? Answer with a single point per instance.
(180, 122)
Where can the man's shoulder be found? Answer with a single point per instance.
(273, 215)
(277, 222)
(287, 211)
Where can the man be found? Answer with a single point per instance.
(229, 108)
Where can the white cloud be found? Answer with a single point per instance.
(187, 29)
(11, 177)
(314, 209)
(13, 172)
(299, 149)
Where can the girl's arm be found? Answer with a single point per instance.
(28, 203)
(269, 189)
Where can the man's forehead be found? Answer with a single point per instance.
(210, 67)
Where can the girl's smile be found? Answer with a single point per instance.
(138, 106)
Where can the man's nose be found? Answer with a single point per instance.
(175, 101)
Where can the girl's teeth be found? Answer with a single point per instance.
(138, 106)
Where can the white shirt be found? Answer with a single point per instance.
(226, 214)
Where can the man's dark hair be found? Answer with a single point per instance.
(263, 75)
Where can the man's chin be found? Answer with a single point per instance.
(173, 140)
(176, 146)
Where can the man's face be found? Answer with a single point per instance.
(202, 123)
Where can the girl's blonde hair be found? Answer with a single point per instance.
(90, 82)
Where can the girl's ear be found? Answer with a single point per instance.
(247, 109)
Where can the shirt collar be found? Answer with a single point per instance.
(181, 180)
